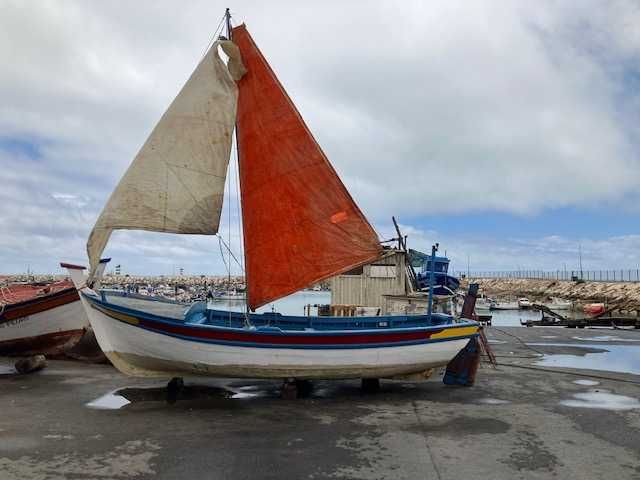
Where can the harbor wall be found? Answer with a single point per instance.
(624, 296)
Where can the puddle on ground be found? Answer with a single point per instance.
(602, 400)
(249, 391)
(609, 358)
(606, 338)
(206, 394)
(192, 392)
(110, 401)
(492, 401)
(244, 395)
(586, 383)
(7, 370)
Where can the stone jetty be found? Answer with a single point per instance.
(624, 296)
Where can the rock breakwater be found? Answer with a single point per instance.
(623, 296)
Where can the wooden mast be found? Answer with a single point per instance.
(227, 16)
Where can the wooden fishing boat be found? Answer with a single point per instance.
(40, 319)
(300, 226)
(445, 284)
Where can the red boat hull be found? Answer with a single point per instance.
(51, 344)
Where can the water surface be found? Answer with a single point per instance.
(610, 358)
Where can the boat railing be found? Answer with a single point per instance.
(274, 319)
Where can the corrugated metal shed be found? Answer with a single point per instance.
(367, 285)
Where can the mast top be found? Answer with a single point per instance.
(227, 16)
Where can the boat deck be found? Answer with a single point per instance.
(199, 315)
(160, 308)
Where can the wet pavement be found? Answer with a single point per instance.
(520, 420)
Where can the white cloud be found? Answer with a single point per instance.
(548, 253)
(422, 108)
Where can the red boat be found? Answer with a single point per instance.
(593, 308)
(40, 318)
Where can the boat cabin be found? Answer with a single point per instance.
(440, 264)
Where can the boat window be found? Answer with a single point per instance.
(355, 271)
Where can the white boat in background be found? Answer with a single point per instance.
(559, 304)
(483, 304)
(232, 296)
(499, 305)
(524, 303)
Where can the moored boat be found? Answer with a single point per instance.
(40, 319)
(504, 305)
(444, 284)
(594, 308)
(559, 304)
(524, 303)
(300, 227)
(483, 303)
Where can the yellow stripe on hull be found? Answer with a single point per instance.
(455, 332)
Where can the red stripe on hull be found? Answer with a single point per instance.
(293, 339)
(49, 344)
(40, 304)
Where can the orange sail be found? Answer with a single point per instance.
(300, 223)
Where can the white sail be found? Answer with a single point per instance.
(176, 182)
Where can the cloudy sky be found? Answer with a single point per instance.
(506, 131)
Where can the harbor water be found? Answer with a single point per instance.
(295, 305)
(290, 305)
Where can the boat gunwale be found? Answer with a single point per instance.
(38, 304)
(277, 331)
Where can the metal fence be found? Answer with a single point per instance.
(629, 275)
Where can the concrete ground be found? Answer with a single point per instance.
(512, 424)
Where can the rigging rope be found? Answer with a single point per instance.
(238, 203)
(213, 37)
(230, 252)
(220, 241)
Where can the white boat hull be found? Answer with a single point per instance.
(49, 332)
(139, 352)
